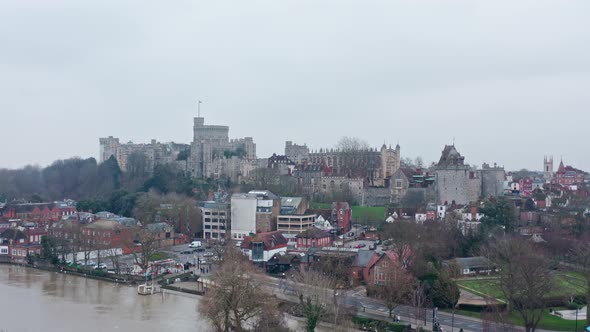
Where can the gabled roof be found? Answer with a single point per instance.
(12, 234)
(312, 233)
(283, 258)
(378, 256)
(408, 172)
(269, 240)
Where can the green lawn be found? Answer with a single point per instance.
(359, 213)
(566, 284)
(485, 288)
(158, 256)
(368, 213)
(548, 322)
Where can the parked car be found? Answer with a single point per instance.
(186, 252)
(378, 242)
(88, 263)
(195, 244)
(372, 247)
(360, 245)
(100, 266)
(239, 244)
(208, 254)
(199, 249)
(350, 234)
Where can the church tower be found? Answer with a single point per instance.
(548, 168)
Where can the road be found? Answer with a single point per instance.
(373, 308)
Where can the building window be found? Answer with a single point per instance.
(257, 251)
(3, 251)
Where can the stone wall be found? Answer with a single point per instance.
(492, 181)
(459, 184)
(377, 197)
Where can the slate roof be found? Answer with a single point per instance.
(158, 227)
(12, 234)
(312, 233)
(283, 259)
(472, 262)
(104, 224)
(270, 240)
(363, 258)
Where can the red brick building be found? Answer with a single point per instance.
(342, 214)
(377, 270)
(526, 186)
(568, 175)
(40, 213)
(106, 234)
(313, 238)
(17, 244)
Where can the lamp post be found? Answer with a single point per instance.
(576, 317)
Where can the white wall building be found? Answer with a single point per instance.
(243, 215)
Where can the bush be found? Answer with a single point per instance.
(380, 325)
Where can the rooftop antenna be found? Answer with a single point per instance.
(199, 108)
(453, 140)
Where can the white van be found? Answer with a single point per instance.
(195, 244)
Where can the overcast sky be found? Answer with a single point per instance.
(508, 80)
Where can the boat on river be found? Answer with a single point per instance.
(147, 289)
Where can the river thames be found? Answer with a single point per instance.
(34, 300)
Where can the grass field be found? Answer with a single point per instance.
(359, 213)
(566, 284)
(548, 322)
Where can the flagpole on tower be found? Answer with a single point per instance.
(199, 108)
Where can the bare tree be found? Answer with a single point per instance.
(581, 259)
(317, 296)
(351, 144)
(114, 256)
(494, 318)
(144, 244)
(270, 319)
(396, 289)
(525, 279)
(236, 296)
(402, 238)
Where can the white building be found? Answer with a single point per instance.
(216, 219)
(243, 212)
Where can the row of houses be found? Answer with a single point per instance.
(313, 249)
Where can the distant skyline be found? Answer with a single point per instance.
(506, 80)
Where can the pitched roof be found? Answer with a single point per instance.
(312, 233)
(451, 157)
(283, 258)
(472, 262)
(363, 258)
(378, 256)
(269, 240)
(408, 172)
(561, 168)
(104, 224)
(13, 234)
(158, 227)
